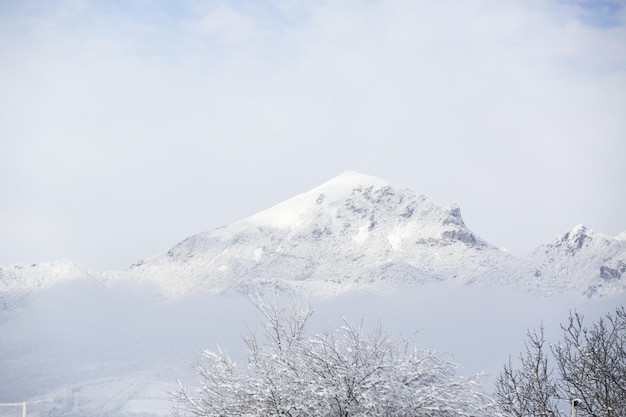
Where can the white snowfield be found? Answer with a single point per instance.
(79, 342)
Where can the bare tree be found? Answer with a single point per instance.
(530, 390)
(592, 364)
(343, 372)
(590, 372)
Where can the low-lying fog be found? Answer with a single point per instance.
(78, 332)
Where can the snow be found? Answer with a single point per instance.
(340, 186)
(289, 214)
(362, 234)
(398, 236)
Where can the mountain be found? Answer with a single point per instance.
(354, 232)
(358, 232)
(582, 261)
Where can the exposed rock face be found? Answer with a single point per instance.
(611, 273)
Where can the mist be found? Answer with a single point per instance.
(79, 332)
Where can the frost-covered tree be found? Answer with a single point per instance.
(590, 369)
(342, 372)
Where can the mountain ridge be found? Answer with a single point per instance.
(354, 232)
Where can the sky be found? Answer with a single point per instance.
(127, 126)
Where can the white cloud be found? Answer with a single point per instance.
(163, 122)
(227, 26)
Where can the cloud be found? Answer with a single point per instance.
(152, 121)
(600, 14)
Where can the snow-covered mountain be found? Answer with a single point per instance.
(582, 261)
(354, 232)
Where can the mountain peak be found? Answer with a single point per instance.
(367, 211)
(289, 213)
(581, 237)
(367, 206)
(349, 180)
(576, 239)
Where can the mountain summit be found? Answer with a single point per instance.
(590, 262)
(361, 205)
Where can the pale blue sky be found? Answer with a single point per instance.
(128, 126)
